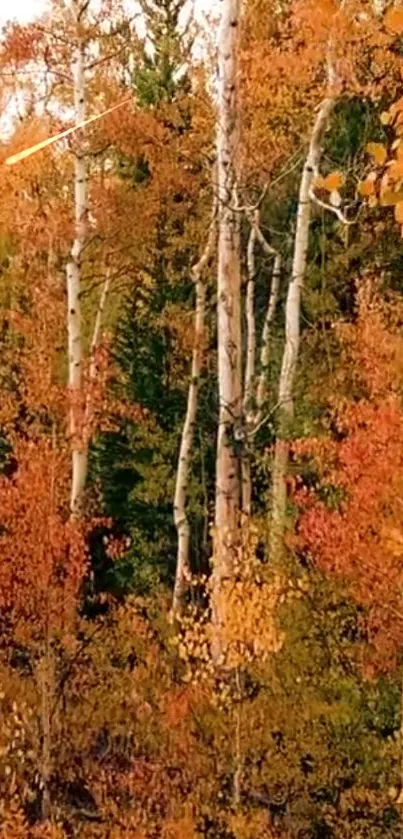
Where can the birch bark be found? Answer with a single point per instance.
(292, 329)
(228, 483)
(185, 453)
(250, 371)
(262, 386)
(256, 391)
(73, 276)
(250, 326)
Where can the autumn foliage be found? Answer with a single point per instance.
(119, 720)
(351, 520)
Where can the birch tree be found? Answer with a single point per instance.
(73, 271)
(293, 304)
(79, 389)
(255, 386)
(250, 371)
(292, 326)
(185, 453)
(228, 482)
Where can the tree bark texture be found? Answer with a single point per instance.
(292, 326)
(73, 272)
(228, 479)
(188, 433)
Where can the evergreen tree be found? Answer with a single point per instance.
(137, 464)
(162, 74)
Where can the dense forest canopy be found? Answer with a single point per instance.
(201, 421)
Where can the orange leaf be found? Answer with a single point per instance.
(333, 182)
(378, 152)
(394, 21)
(366, 188)
(399, 212)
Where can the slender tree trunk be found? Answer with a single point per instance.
(262, 386)
(96, 335)
(45, 682)
(185, 453)
(93, 370)
(249, 382)
(292, 328)
(255, 393)
(228, 483)
(80, 401)
(238, 761)
(73, 271)
(250, 371)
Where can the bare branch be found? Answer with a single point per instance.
(330, 207)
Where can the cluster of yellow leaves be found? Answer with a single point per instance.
(249, 601)
(384, 184)
(193, 642)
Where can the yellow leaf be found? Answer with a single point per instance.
(333, 182)
(396, 169)
(389, 198)
(378, 152)
(385, 118)
(393, 20)
(399, 212)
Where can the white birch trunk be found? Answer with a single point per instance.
(73, 272)
(292, 328)
(262, 386)
(255, 393)
(92, 370)
(96, 335)
(228, 489)
(250, 326)
(250, 370)
(182, 525)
